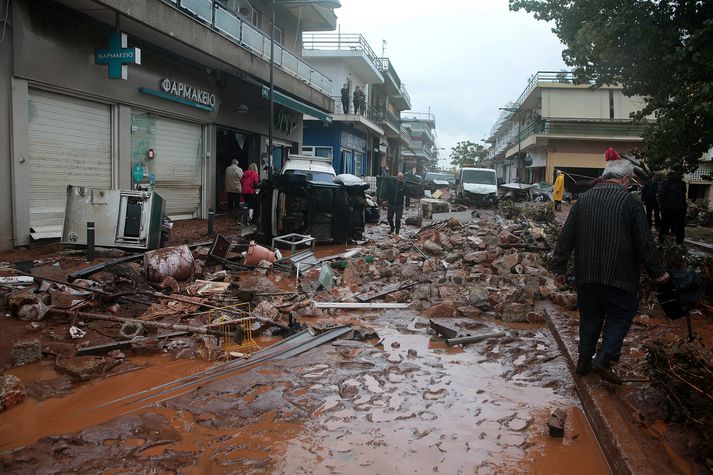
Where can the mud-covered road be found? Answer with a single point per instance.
(406, 404)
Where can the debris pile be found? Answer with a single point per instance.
(489, 267)
(683, 372)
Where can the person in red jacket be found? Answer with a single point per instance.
(249, 181)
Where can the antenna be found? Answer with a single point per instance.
(383, 48)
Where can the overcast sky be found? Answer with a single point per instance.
(461, 58)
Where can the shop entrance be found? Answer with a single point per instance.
(231, 145)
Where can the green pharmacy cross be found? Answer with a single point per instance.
(117, 56)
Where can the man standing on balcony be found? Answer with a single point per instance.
(362, 102)
(345, 98)
(357, 98)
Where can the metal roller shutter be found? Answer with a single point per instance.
(69, 143)
(177, 166)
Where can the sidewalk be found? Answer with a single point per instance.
(629, 446)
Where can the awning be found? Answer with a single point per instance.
(295, 104)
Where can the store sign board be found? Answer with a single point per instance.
(188, 92)
(117, 56)
(183, 94)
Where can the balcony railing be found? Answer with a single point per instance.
(561, 77)
(701, 174)
(387, 69)
(405, 135)
(404, 92)
(389, 117)
(367, 111)
(339, 42)
(575, 128)
(245, 35)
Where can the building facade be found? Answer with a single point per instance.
(159, 93)
(556, 124)
(364, 135)
(419, 154)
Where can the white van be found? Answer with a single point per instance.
(478, 186)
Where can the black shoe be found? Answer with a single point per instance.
(606, 374)
(391, 231)
(584, 366)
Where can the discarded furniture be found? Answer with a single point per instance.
(293, 240)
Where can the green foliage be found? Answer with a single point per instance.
(660, 50)
(467, 153)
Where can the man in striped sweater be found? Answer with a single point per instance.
(608, 231)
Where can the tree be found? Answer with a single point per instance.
(467, 153)
(660, 50)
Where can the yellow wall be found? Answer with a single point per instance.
(580, 154)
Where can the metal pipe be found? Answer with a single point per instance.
(472, 339)
(211, 219)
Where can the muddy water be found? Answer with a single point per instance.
(26, 423)
(409, 405)
(434, 410)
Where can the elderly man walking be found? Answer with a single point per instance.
(396, 198)
(608, 231)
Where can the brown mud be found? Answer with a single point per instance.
(409, 405)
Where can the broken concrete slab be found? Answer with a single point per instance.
(27, 351)
(84, 368)
(12, 391)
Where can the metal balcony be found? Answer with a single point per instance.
(229, 25)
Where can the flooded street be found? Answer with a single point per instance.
(409, 404)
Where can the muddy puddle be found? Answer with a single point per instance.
(407, 405)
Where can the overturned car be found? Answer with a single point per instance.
(330, 210)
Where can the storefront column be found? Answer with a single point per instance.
(210, 170)
(123, 169)
(19, 164)
(5, 155)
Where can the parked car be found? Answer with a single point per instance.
(542, 191)
(436, 180)
(477, 186)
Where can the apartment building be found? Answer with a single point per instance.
(164, 93)
(556, 124)
(419, 154)
(364, 135)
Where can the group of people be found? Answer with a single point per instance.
(359, 99)
(241, 183)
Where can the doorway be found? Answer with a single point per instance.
(231, 145)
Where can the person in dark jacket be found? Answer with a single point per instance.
(395, 199)
(648, 197)
(345, 98)
(608, 232)
(671, 197)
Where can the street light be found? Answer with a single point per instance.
(286, 3)
(519, 141)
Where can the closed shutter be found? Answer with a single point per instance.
(178, 166)
(69, 143)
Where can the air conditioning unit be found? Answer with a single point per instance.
(122, 218)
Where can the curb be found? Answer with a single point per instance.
(627, 444)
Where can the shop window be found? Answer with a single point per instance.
(310, 151)
(358, 164)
